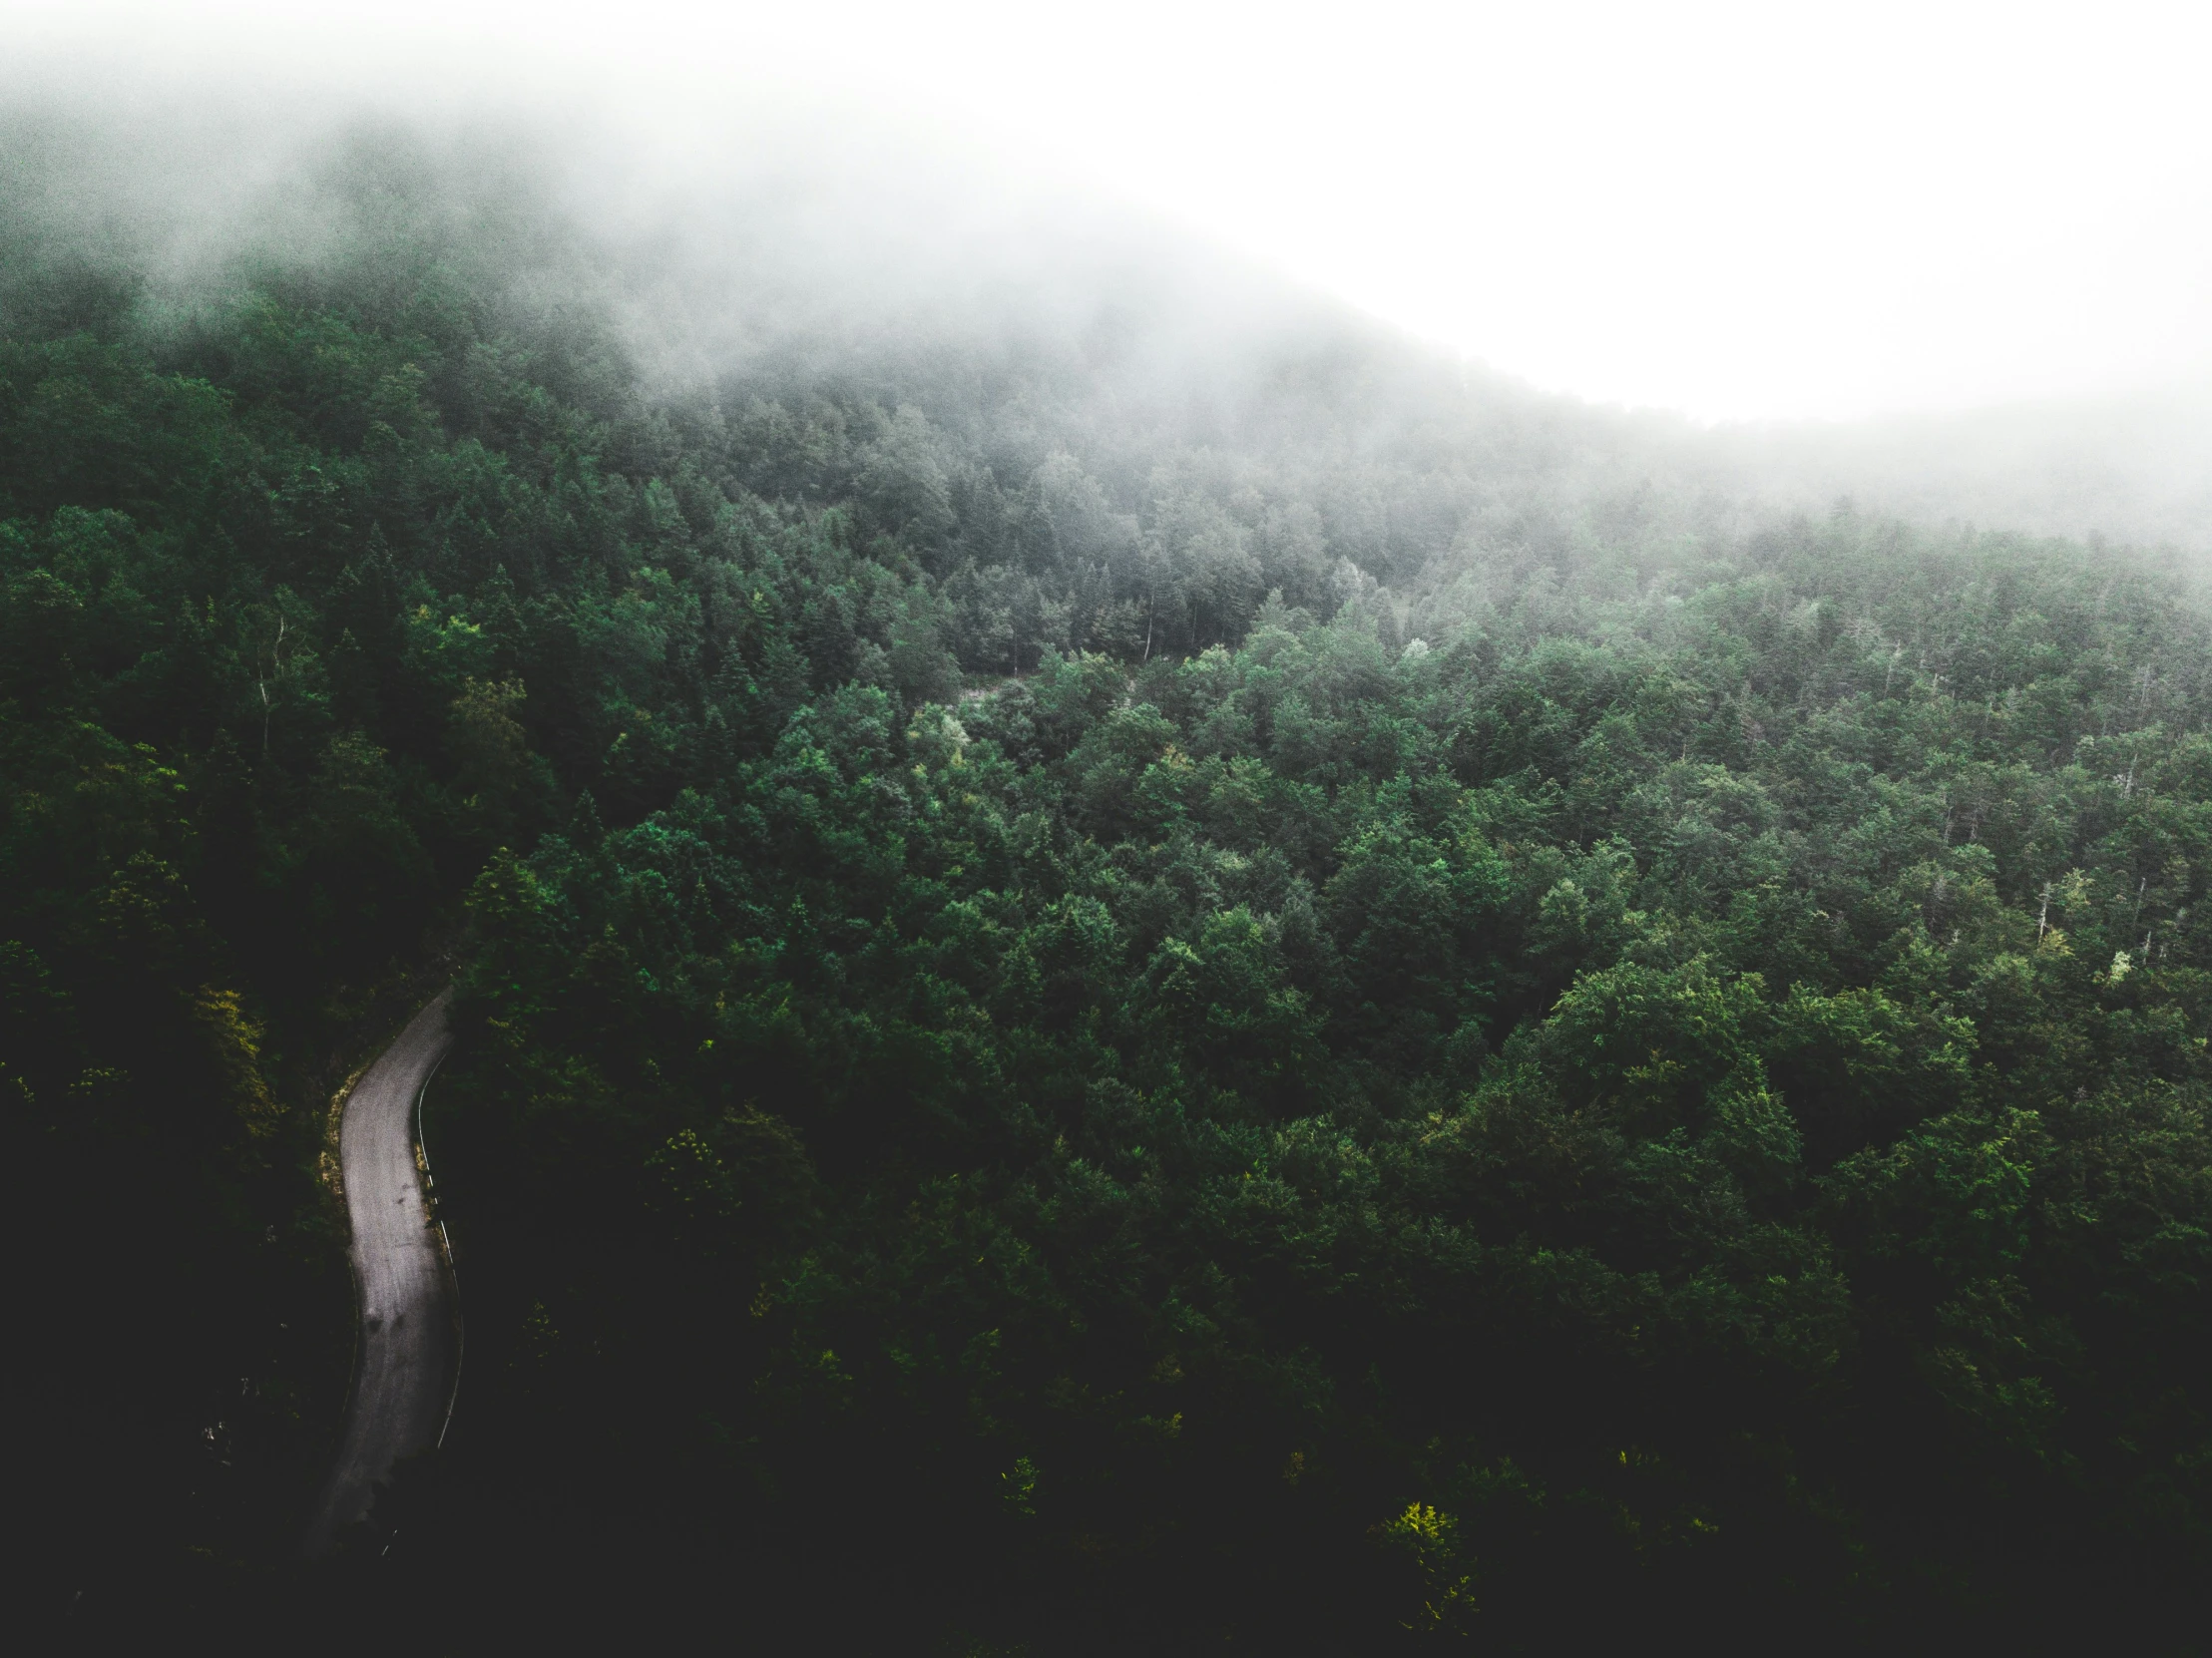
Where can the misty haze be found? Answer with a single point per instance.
(869, 835)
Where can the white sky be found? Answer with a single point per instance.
(1742, 211)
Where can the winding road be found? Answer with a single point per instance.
(409, 1339)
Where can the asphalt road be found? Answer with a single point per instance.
(405, 1373)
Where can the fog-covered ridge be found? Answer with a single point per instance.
(790, 255)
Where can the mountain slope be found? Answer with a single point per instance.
(1136, 968)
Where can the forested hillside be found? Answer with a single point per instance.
(1309, 1004)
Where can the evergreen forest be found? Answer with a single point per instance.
(1314, 1003)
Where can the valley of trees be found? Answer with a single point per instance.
(1323, 1010)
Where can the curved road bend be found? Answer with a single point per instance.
(404, 1375)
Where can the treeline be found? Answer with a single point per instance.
(1092, 1018)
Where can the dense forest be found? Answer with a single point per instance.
(1309, 1006)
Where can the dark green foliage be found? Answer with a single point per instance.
(1418, 1054)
